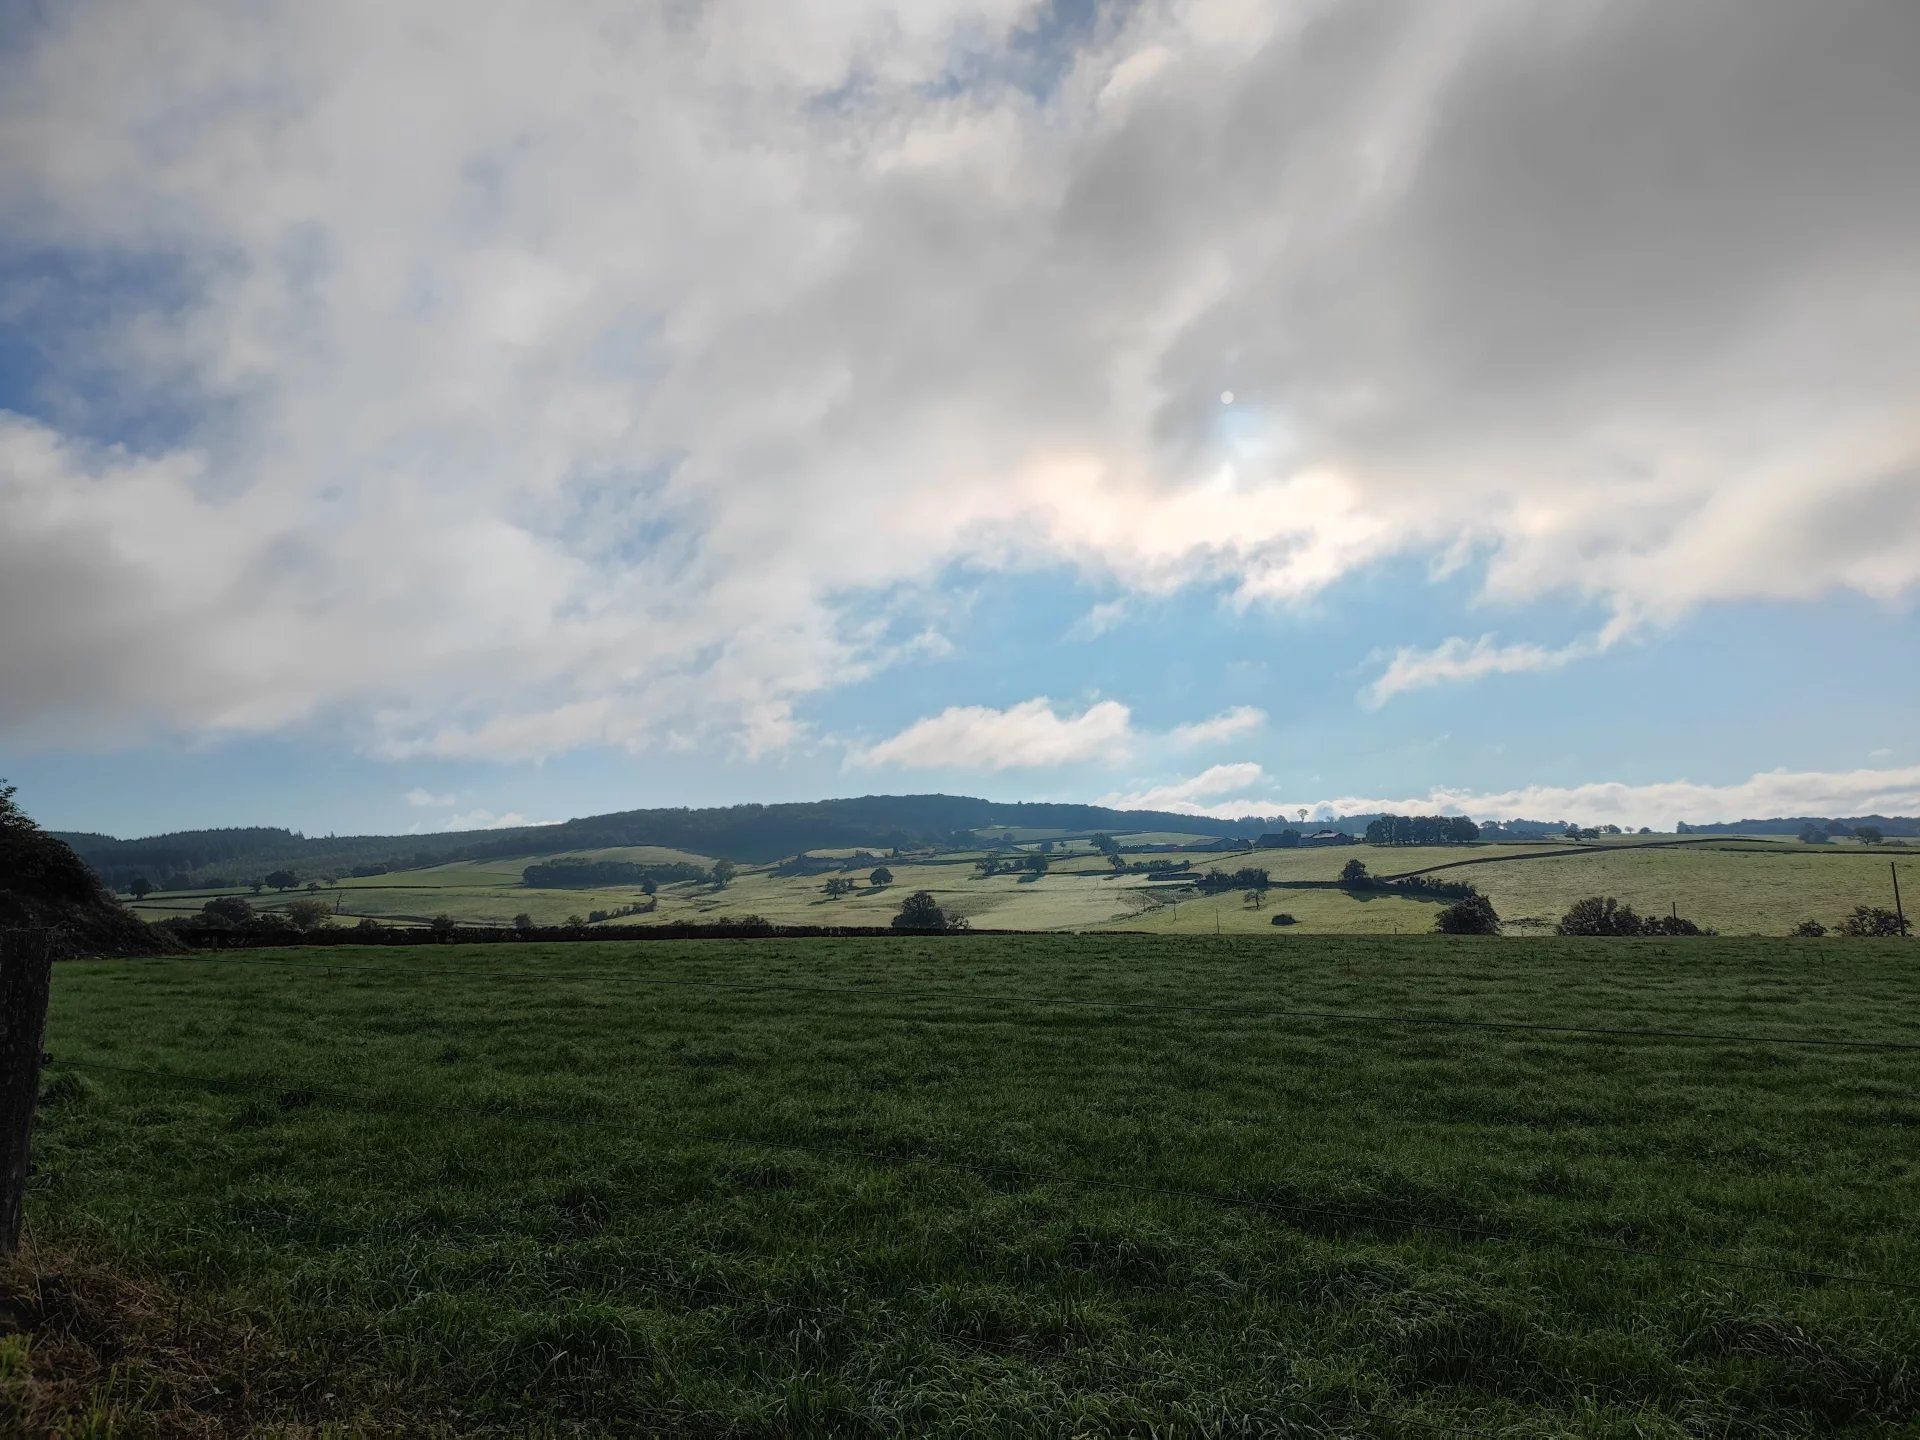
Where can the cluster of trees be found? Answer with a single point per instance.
(1474, 915)
(1248, 877)
(1422, 830)
(1034, 862)
(234, 912)
(1354, 875)
(1811, 834)
(1604, 915)
(1867, 922)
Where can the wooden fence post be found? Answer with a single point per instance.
(26, 975)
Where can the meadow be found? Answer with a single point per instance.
(1025, 1185)
(1738, 887)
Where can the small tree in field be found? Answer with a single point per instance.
(1874, 922)
(881, 876)
(920, 911)
(723, 872)
(139, 887)
(837, 886)
(1868, 834)
(441, 926)
(1474, 915)
(1354, 874)
(282, 879)
(307, 914)
(523, 921)
(256, 886)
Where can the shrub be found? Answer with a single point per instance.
(1599, 915)
(308, 914)
(1872, 922)
(1283, 919)
(1809, 929)
(1474, 915)
(523, 921)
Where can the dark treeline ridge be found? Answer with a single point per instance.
(578, 873)
(1793, 825)
(753, 833)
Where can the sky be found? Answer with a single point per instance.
(438, 416)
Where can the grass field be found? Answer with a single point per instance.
(1011, 1186)
(1739, 887)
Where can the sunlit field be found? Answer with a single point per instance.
(1025, 1185)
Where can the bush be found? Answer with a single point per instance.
(1354, 874)
(1600, 915)
(308, 914)
(1872, 922)
(1809, 929)
(1283, 919)
(1474, 915)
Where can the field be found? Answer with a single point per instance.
(1029, 1185)
(1739, 887)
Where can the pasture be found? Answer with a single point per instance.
(1735, 886)
(996, 1185)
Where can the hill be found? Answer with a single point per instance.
(741, 832)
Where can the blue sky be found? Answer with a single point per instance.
(1211, 406)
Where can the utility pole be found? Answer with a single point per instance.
(1894, 871)
(26, 974)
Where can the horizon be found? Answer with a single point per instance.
(1198, 407)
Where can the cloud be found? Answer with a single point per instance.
(1227, 725)
(1098, 620)
(1024, 736)
(499, 419)
(1456, 659)
(1894, 791)
(1187, 796)
(487, 820)
(427, 799)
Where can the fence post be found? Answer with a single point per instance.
(26, 975)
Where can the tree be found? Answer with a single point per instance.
(1037, 863)
(1354, 874)
(440, 927)
(1474, 915)
(1600, 915)
(313, 887)
(1809, 930)
(723, 872)
(226, 912)
(920, 911)
(1116, 863)
(1106, 844)
(881, 876)
(575, 922)
(307, 914)
(523, 921)
(1873, 922)
(139, 887)
(649, 887)
(282, 879)
(1868, 834)
(1813, 835)
(837, 886)
(332, 880)
(256, 886)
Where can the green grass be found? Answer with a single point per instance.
(859, 1187)
(1740, 887)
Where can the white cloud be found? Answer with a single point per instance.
(1189, 796)
(487, 820)
(425, 799)
(1024, 736)
(500, 418)
(1457, 659)
(1659, 804)
(1227, 725)
(1098, 620)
